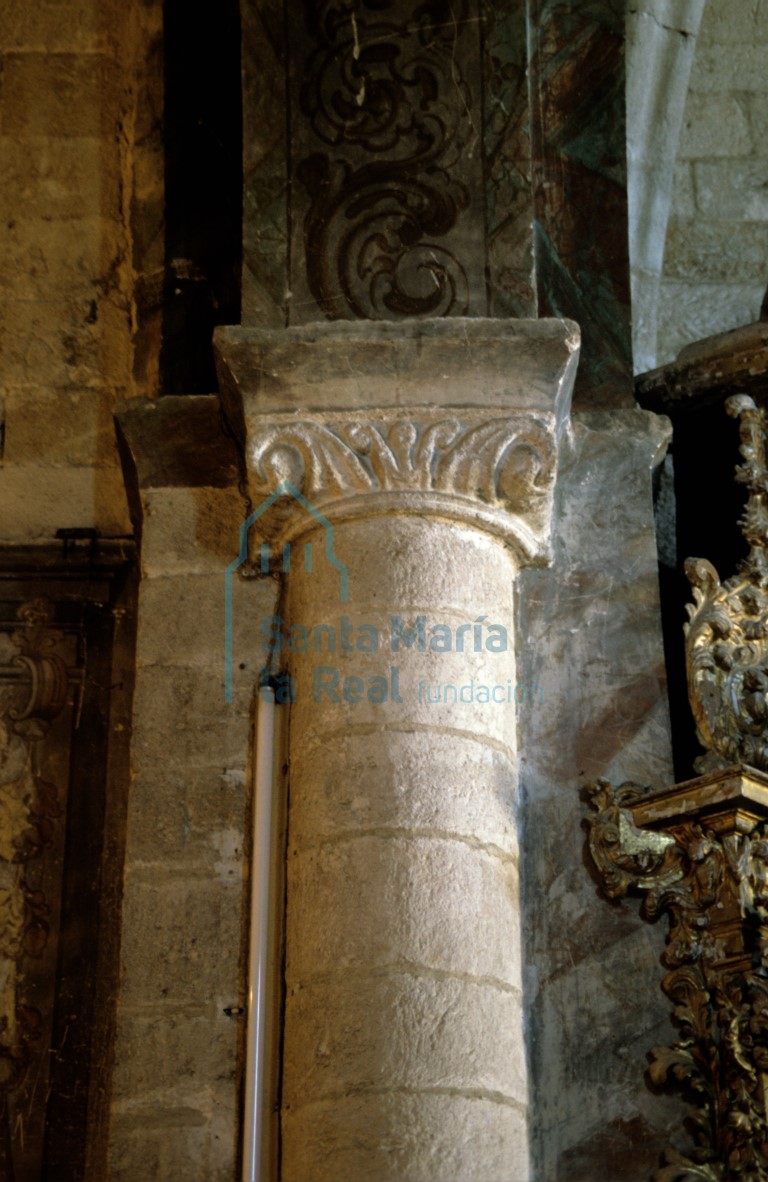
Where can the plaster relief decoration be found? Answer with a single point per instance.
(495, 470)
(698, 853)
(33, 690)
(387, 157)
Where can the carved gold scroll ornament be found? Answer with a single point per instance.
(698, 853)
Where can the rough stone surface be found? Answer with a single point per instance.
(590, 628)
(176, 1077)
(523, 364)
(661, 41)
(400, 894)
(408, 787)
(714, 273)
(82, 207)
(404, 1030)
(393, 1139)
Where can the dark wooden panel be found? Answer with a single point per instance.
(63, 783)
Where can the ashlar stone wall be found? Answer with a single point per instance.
(81, 254)
(716, 258)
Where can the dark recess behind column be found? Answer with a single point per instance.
(203, 188)
(578, 144)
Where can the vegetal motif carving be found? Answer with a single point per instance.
(497, 465)
(708, 867)
(727, 633)
(28, 809)
(387, 117)
(714, 888)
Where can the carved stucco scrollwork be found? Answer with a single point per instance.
(28, 809)
(714, 888)
(495, 470)
(727, 634)
(391, 116)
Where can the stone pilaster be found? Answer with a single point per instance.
(401, 477)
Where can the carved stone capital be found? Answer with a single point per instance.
(456, 420)
(493, 470)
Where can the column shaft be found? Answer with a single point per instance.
(404, 1054)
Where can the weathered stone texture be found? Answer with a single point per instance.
(402, 924)
(186, 852)
(176, 1078)
(395, 1132)
(82, 205)
(714, 273)
(394, 896)
(590, 631)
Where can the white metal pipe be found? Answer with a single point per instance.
(257, 1070)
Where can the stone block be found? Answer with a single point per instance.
(180, 939)
(433, 692)
(522, 364)
(69, 27)
(40, 262)
(173, 1052)
(701, 251)
(167, 1143)
(714, 125)
(182, 622)
(732, 191)
(440, 567)
(427, 902)
(47, 177)
(457, 786)
(136, 1154)
(61, 94)
(402, 1032)
(758, 116)
(57, 341)
(59, 427)
(183, 721)
(731, 27)
(188, 531)
(683, 193)
(406, 1138)
(36, 500)
(689, 312)
(190, 816)
(714, 71)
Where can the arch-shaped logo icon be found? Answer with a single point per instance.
(285, 488)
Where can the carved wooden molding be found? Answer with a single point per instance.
(701, 858)
(494, 470)
(34, 696)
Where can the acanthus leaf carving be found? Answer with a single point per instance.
(498, 466)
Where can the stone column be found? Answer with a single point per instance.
(408, 503)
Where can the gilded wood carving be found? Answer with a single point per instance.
(698, 853)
